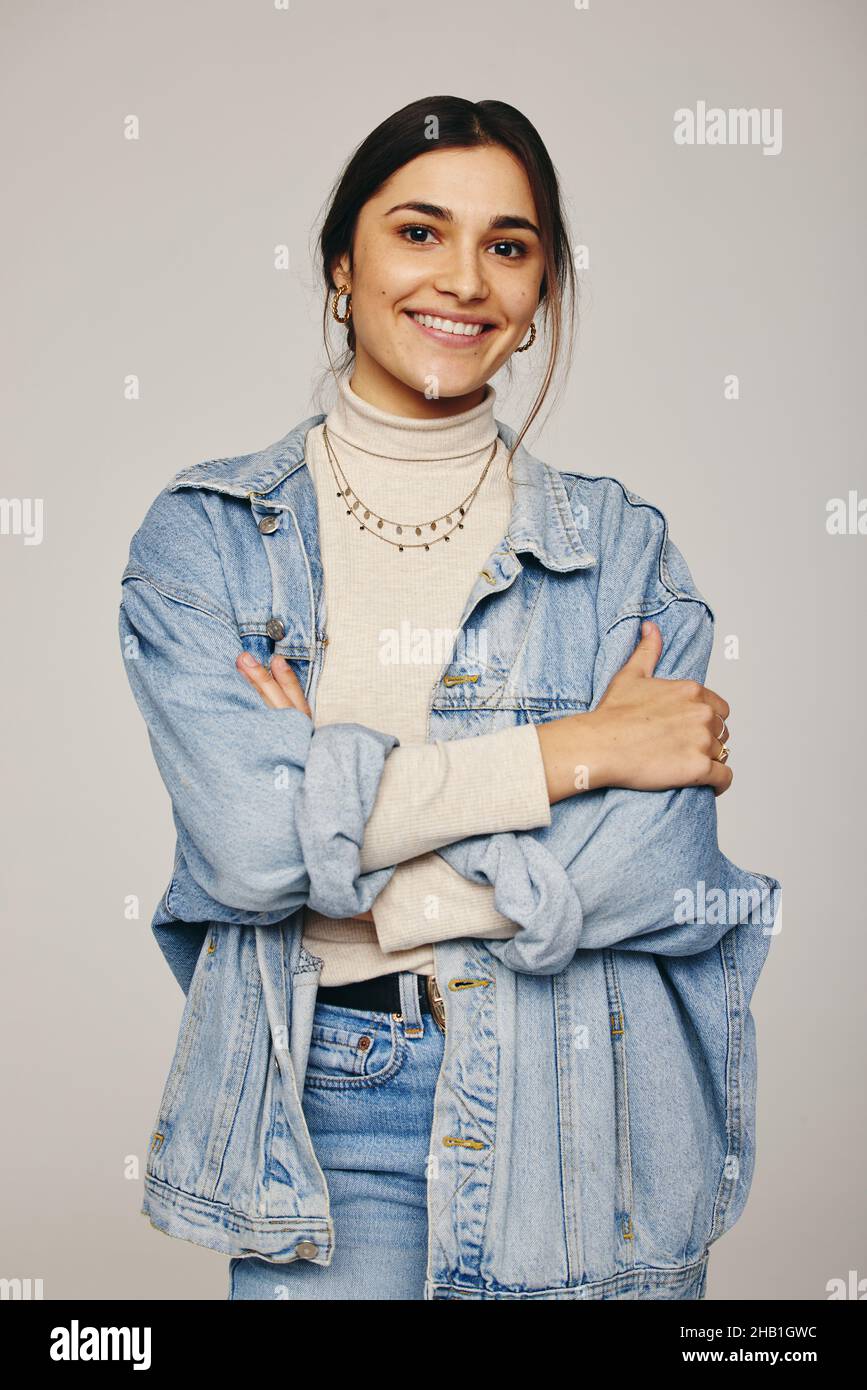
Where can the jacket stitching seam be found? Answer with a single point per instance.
(567, 1096)
(635, 502)
(725, 1185)
(186, 601)
(654, 1273)
(567, 519)
(615, 980)
(311, 596)
(252, 1000)
(519, 653)
(676, 598)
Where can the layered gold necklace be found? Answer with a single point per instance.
(360, 509)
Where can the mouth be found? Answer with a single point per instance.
(454, 332)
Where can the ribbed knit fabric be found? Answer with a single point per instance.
(390, 618)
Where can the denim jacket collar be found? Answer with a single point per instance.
(542, 519)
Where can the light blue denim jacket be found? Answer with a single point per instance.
(594, 1120)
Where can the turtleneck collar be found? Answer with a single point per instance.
(356, 423)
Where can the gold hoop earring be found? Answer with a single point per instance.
(531, 340)
(335, 301)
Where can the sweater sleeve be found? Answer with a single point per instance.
(434, 794)
(426, 900)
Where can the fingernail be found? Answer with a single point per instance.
(248, 659)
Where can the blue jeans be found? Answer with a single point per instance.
(368, 1101)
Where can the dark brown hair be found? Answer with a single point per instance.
(458, 124)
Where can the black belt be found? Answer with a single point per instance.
(382, 995)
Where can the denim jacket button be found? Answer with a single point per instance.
(275, 629)
(306, 1249)
(269, 524)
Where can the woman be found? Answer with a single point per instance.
(443, 241)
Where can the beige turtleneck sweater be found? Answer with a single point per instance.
(390, 616)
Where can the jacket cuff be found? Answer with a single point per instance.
(532, 889)
(344, 767)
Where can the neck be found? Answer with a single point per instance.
(383, 438)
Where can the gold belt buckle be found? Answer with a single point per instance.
(436, 1001)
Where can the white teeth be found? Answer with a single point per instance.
(465, 330)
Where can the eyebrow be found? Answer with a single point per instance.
(504, 222)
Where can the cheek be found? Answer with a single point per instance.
(380, 300)
(388, 278)
(525, 295)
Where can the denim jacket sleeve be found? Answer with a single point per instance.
(269, 812)
(635, 870)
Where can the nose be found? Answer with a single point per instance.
(462, 272)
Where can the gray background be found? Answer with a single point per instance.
(155, 257)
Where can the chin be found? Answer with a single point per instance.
(447, 380)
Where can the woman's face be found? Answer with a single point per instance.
(442, 257)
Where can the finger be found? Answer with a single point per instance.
(718, 746)
(716, 702)
(262, 681)
(719, 777)
(648, 649)
(289, 682)
(718, 729)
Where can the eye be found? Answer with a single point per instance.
(519, 247)
(415, 227)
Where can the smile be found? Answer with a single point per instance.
(449, 331)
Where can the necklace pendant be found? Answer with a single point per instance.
(347, 492)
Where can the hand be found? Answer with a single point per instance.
(281, 689)
(646, 733)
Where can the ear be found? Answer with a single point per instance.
(340, 271)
